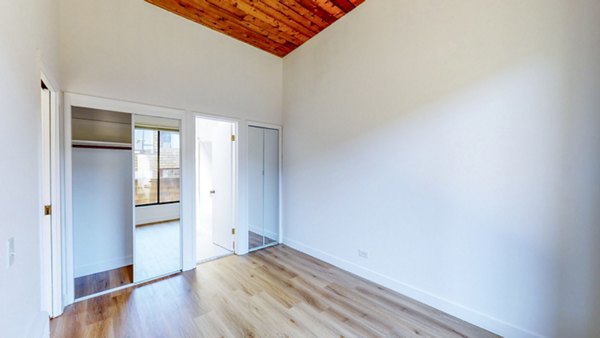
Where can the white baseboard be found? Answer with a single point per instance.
(106, 265)
(469, 315)
(40, 327)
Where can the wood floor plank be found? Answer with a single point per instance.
(276, 292)
(211, 325)
(103, 281)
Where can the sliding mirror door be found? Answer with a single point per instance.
(263, 187)
(157, 159)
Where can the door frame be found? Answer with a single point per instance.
(79, 100)
(234, 176)
(279, 128)
(51, 276)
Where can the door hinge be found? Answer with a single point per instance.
(233, 231)
(47, 210)
(232, 138)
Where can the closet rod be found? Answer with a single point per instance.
(100, 147)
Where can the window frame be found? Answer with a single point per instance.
(158, 130)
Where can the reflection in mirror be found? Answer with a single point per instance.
(157, 158)
(263, 187)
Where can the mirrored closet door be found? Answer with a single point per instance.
(157, 168)
(263, 187)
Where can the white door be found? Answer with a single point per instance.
(222, 191)
(46, 209)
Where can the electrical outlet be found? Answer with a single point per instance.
(363, 253)
(11, 252)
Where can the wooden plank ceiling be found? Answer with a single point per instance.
(276, 26)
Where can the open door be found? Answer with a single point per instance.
(50, 221)
(46, 222)
(215, 188)
(222, 191)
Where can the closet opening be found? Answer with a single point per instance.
(101, 154)
(215, 188)
(123, 219)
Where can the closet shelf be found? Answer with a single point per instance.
(100, 144)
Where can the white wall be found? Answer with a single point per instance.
(131, 50)
(102, 210)
(457, 143)
(28, 34)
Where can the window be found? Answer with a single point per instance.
(157, 166)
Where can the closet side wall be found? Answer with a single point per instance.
(102, 210)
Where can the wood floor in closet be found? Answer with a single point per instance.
(276, 292)
(102, 281)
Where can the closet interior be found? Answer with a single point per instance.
(102, 200)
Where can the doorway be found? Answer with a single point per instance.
(101, 150)
(215, 188)
(126, 199)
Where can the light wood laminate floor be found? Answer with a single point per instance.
(276, 292)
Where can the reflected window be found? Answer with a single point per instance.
(157, 166)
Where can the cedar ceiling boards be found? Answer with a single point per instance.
(276, 26)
